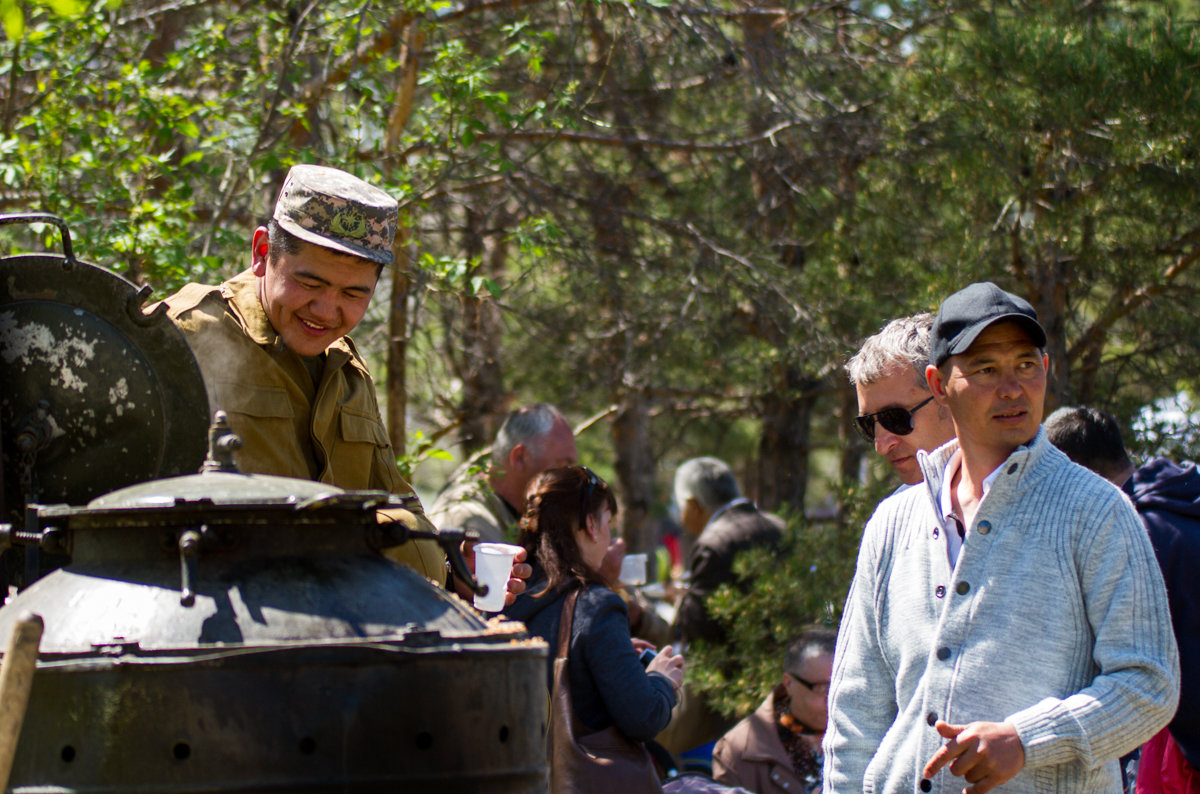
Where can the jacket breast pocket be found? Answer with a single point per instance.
(265, 419)
(362, 449)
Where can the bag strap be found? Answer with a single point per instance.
(565, 622)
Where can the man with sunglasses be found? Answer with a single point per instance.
(1007, 624)
(777, 748)
(896, 412)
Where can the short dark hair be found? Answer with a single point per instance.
(811, 642)
(281, 241)
(1091, 438)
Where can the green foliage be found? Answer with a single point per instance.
(803, 583)
(696, 210)
(420, 449)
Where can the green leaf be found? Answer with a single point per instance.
(66, 8)
(13, 19)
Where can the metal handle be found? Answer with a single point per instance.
(45, 217)
(189, 546)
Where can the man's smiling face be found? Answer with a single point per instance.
(313, 297)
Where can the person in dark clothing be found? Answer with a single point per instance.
(711, 506)
(1167, 497)
(565, 531)
(724, 524)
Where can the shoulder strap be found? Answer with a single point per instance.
(564, 622)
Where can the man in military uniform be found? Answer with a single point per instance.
(534, 438)
(272, 346)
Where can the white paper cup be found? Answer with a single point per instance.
(493, 565)
(633, 569)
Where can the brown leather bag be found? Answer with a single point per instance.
(602, 762)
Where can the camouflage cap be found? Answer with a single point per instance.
(333, 209)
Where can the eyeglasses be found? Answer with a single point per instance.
(592, 482)
(893, 418)
(819, 688)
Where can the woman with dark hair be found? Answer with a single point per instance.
(565, 531)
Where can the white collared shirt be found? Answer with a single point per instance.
(946, 505)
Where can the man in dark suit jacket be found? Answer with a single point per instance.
(711, 506)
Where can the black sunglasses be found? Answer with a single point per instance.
(820, 688)
(592, 482)
(893, 418)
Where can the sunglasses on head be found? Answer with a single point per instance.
(592, 482)
(893, 418)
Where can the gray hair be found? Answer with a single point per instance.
(709, 481)
(809, 643)
(528, 425)
(901, 342)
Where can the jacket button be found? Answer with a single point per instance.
(963, 588)
(926, 784)
(941, 591)
(1013, 468)
(931, 718)
(943, 653)
(984, 527)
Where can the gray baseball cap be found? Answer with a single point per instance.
(336, 210)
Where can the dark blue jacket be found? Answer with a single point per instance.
(608, 684)
(1167, 496)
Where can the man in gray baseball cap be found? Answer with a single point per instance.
(272, 346)
(1007, 624)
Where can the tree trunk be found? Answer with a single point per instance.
(635, 471)
(783, 447)
(397, 356)
(483, 399)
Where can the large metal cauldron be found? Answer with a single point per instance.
(241, 633)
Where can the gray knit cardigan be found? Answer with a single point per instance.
(1054, 619)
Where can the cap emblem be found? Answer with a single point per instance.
(349, 223)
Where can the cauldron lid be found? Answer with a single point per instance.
(222, 488)
(98, 394)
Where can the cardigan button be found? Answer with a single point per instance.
(931, 718)
(984, 527)
(940, 592)
(943, 653)
(963, 588)
(936, 533)
(926, 784)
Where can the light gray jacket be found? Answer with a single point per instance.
(1054, 619)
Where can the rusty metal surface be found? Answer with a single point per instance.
(367, 718)
(124, 399)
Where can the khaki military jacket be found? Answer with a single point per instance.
(329, 431)
(470, 503)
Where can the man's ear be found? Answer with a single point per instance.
(260, 248)
(518, 458)
(937, 387)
